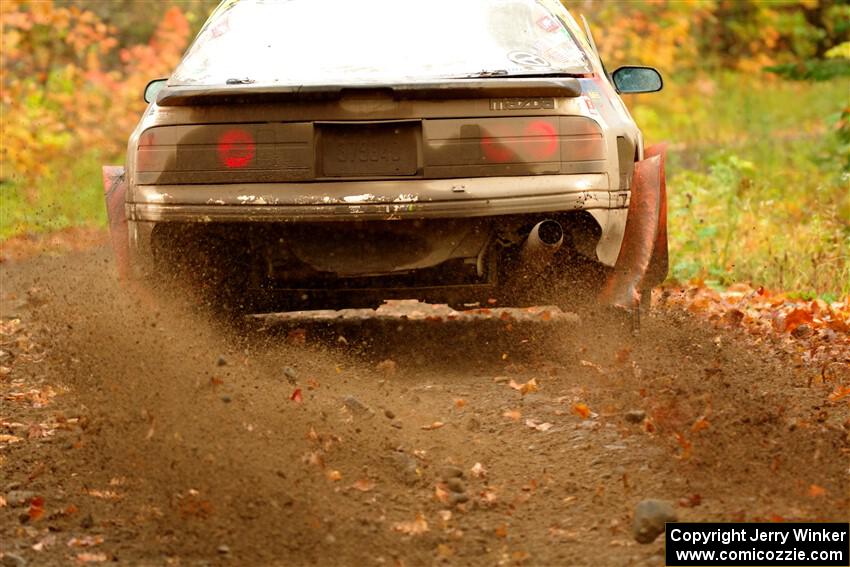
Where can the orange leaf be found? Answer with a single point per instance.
(839, 393)
(91, 557)
(816, 491)
(515, 415)
(333, 475)
(416, 527)
(296, 396)
(36, 509)
(685, 445)
(502, 531)
(581, 410)
(441, 494)
(527, 388)
(797, 318)
(363, 485)
(700, 424)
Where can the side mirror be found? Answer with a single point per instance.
(634, 80)
(153, 89)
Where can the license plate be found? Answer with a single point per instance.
(354, 150)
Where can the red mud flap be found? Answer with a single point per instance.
(660, 263)
(642, 262)
(115, 191)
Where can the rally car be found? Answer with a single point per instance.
(323, 153)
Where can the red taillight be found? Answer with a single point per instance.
(236, 148)
(548, 135)
(503, 144)
(495, 150)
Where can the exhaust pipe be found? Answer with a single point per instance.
(543, 241)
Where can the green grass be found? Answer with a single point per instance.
(71, 195)
(758, 182)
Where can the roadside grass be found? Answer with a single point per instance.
(758, 181)
(759, 185)
(70, 195)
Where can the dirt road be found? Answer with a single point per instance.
(148, 437)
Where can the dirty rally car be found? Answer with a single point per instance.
(317, 153)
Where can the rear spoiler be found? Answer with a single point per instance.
(449, 89)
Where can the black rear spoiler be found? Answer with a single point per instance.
(449, 89)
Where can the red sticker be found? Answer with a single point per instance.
(548, 23)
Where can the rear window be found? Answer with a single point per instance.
(341, 42)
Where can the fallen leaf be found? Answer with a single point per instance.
(534, 424)
(623, 355)
(36, 509)
(562, 534)
(91, 557)
(435, 425)
(105, 494)
(460, 402)
(526, 388)
(502, 531)
(593, 365)
(86, 541)
(48, 541)
(333, 475)
(416, 527)
(296, 396)
(839, 393)
(514, 415)
(363, 485)
(796, 318)
(816, 491)
(314, 458)
(686, 446)
(445, 551)
(700, 424)
(489, 495)
(441, 494)
(691, 501)
(581, 410)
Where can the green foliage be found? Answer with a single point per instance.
(813, 70)
(758, 180)
(65, 198)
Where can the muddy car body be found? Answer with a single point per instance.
(322, 152)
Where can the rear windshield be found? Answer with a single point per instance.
(340, 42)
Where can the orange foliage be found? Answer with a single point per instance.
(59, 95)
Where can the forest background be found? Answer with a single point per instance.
(756, 108)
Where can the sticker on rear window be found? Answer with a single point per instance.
(527, 59)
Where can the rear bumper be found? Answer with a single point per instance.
(354, 201)
(373, 200)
